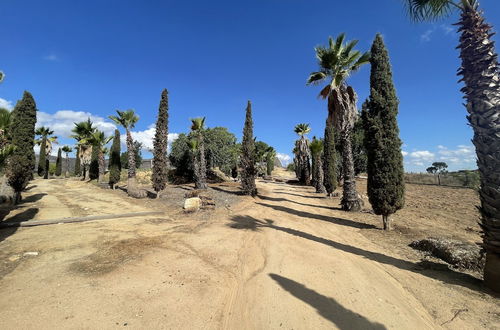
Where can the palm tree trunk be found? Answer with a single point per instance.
(320, 177)
(350, 200)
(102, 165)
(131, 180)
(202, 166)
(481, 75)
(67, 166)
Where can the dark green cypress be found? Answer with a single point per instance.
(78, 169)
(248, 155)
(42, 157)
(329, 157)
(115, 165)
(21, 163)
(59, 163)
(385, 160)
(159, 175)
(94, 163)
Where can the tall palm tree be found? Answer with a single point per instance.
(480, 73)
(198, 148)
(67, 150)
(45, 142)
(82, 133)
(99, 140)
(337, 62)
(302, 154)
(316, 147)
(127, 119)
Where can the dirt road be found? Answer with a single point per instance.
(285, 260)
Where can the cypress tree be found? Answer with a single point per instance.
(115, 165)
(21, 163)
(160, 161)
(59, 163)
(329, 157)
(94, 163)
(78, 169)
(248, 155)
(42, 158)
(385, 160)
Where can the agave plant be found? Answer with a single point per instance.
(302, 154)
(337, 62)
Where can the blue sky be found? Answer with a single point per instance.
(81, 58)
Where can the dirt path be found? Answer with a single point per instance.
(287, 259)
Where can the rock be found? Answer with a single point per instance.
(192, 204)
(30, 254)
(457, 253)
(137, 193)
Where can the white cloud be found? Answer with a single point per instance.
(63, 121)
(422, 155)
(405, 153)
(146, 137)
(6, 104)
(284, 158)
(427, 35)
(51, 57)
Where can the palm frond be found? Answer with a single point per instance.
(198, 124)
(429, 10)
(316, 78)
(302, 129)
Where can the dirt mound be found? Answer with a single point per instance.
(457, 253)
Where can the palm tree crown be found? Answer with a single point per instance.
(316, 146)
(67, 149)
(126, 118)
(83, 131)
(198, 124)
(302, 129)
(421, 10)
(337, 62)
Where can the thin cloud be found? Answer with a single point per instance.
(6, 104)
(51, 57)
(284, 158)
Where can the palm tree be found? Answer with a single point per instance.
(480, 73)
(337, 62)
(127, 119)
(67, 150)
(270, 156)
(302, 154)
(45, 142)
(198, 149)
(316, 147)
(83, 132)
(99, 140)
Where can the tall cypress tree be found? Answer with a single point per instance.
(385, 160)
(78, 169)
(248, 155)
(329, 157)
(21, 163)
(42, 157)
(59, 163)
(160, 161)
(115, 165)
(94, 163)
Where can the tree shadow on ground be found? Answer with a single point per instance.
(335, 220)
(25, 215)
(33, 198)
(327, 307)
(279, 199)
(233, 192)
(304, 196)
(430, 269)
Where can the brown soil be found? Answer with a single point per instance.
(286, 259)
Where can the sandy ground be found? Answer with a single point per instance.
(288, 259)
